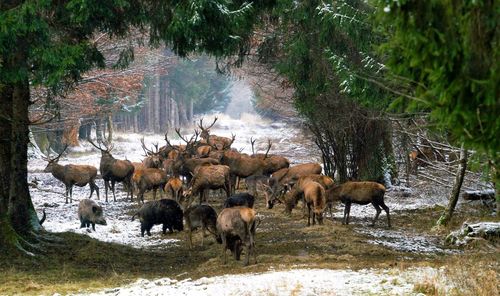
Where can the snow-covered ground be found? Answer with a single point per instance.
(289, 282)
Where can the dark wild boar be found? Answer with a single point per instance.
(163, 211)
(243, 199)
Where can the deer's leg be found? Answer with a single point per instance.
(113, 189)
(106, 185)
(377, 208)
(348, 209)
(386, 209)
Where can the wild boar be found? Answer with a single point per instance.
(163, 211)
(89, 212)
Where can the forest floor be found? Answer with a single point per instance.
(73, 263)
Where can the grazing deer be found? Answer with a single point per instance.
(314, 198)
(200, 216)
(282, 177)
(235, 227)
(114, 170)
(72, 174)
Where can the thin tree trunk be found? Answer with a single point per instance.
(98, 130)
(455, 192)
(156, 108)
(109, 119)
(136, 125)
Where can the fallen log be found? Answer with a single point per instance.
(479, 194)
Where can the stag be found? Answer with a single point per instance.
(72, 174)
(220, 143)
(208, 177)
(272, 163)
(114, 170)
(184, 165)
(153, 159)
(243, 165)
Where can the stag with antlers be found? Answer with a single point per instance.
(220, 143)
(72, 174)
(272, 163)
(184, 165)
(114, 170)
(153, 159)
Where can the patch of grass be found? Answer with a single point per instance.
(428, 287)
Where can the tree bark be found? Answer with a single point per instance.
(455, 192)
(21, 211)
(109, 120)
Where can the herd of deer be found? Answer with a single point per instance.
(211, 163)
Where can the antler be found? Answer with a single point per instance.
(146, 150)
(252, 141)
(233, 137)
(56, 159)
(269, 144)
(98, 147)
(168, 142)
(200, 125)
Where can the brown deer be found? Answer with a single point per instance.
(138, 169)
(361, 193)
(153, 159)
(183, 164)
(272, 163)
(151, 179)
(220, 143)
(243, 165)
(236, 227)
(174, 187)
(200, 216)
(282, 177)
(72, 174)
(314, 198)
(297, 188)
(208, 177)
(114, 170)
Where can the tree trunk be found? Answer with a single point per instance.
(109, 120)
(455, 192)
(21, 211)
(98, 130)
(8, 236)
